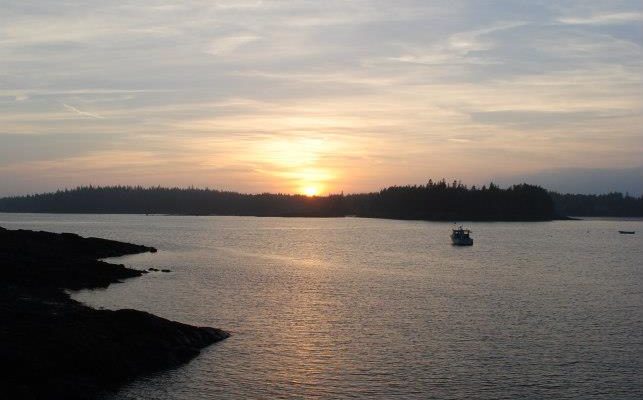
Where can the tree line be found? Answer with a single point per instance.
(432, 201)
(603, 205)
(440, 201)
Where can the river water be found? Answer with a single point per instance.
(369, 308)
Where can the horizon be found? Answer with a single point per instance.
(316, 98)
(312, 195)
(574, 181)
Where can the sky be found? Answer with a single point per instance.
(319, 96)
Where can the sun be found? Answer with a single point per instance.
(310, 191)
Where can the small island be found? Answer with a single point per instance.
(54, 347)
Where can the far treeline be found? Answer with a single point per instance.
(438, 201)
(603, 205)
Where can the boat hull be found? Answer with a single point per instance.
(462, 241)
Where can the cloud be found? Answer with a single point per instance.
(459, 48)
(585, 180)
(226, 45)
(604, 19)
(395, 91)
(82, 113)
(459, 140)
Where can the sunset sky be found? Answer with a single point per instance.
(317, 96)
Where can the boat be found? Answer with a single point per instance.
(627, 232)
(461, 237)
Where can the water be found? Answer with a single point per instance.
(367, 308)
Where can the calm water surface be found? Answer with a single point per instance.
(367, 308)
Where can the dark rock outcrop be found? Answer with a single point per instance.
(52, 347)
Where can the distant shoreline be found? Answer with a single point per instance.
(434, 201)
(564, 218)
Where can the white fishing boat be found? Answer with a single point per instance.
(461, 237)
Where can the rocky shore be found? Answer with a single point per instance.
(52, 347)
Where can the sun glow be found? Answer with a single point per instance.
(310, 191)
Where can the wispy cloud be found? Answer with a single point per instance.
(82, 113)
(604, 19)
(226, 45)
(459, 140)
(459, 48)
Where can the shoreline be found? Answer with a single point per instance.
(307, 215)
(56, 347)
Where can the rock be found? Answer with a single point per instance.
(165, 270)
(53, 347)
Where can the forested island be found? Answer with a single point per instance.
(437, 201)
(432, 201)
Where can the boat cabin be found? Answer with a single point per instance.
(461, 237)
